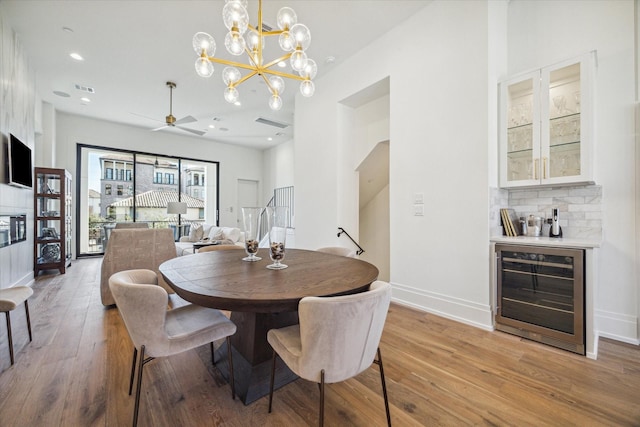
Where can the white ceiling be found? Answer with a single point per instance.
(132, 48)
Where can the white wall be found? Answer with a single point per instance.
(278, 168)
(17, 110)
(374, 233)
(542, 33)
(438, 133)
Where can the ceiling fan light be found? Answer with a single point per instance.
(204, 67)
(235, 15)
(275, 102)
(203, 42)
(234, 43)
(310, 69)
(231, 94)
(277, 83)
(286, 18)
(307, 88)
(298, 60)
(301, 35)
(230, 75)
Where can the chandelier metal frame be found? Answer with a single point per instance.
(257, 65)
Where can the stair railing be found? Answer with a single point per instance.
(342, 231)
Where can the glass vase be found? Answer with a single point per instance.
(251, 223)
(277, 220)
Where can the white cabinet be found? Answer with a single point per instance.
(546, 122)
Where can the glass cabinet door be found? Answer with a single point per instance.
(566, 140)
(521, 130)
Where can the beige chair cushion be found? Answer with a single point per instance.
(338, 334)
(143, 307)
(10, 298)
(130, 249)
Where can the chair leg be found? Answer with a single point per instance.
(138, 387)
(26, 309)
(213, 356)
(384, 387)
(133, 369)
(8, 317)
(231, 376)
(322, 398)
(273, 374)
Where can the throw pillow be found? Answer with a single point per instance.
(231, 233)
(215, 233)
(195, 232)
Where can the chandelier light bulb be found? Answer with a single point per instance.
(310, 69)
(231, 95)
(275, 102)
(234, 15)
(234, 43)
(286, 41)
(286, 18)
(277, 83)
(307, 88)
(204, 42)
(230, 75)
(301, 36)
(253, 39)
(298, 60)
(204, 67)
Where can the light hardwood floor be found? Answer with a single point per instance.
(439, 372)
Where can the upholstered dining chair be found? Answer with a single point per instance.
(337, 338)
(338, 250)
(156, 332)
(10, 298)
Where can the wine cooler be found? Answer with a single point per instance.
(541, 294)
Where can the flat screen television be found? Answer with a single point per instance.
(20, 163)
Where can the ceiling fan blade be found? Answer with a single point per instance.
(187, 119)
(161, 127)
(197, 132)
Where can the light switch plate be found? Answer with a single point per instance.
(418, 210)
(418, 198)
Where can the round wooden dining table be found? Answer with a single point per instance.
(261, 299)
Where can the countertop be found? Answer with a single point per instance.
(548, 241)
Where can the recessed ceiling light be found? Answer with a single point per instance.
(67, 30)
(330, 60)
(76, 56)
(60, 93)
(85, 99)
(237, 103)
(212, 127)
(282, 64)
(269, 139)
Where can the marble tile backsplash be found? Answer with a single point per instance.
(580, 207)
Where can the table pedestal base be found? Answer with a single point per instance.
(252, 354)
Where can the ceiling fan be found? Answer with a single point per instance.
(170, 120)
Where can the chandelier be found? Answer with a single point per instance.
(293, 38)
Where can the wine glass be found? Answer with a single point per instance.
(277, 219)
(251, 223)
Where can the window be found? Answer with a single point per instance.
(196, 194)
(136, 174)
(196, 179)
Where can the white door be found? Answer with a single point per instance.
(247, 197)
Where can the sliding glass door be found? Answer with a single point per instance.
(118, 186)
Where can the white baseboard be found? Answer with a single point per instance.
(616, 326)
(464, 311)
